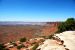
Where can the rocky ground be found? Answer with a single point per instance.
(69, 39)
(60, 41)
(66, 38)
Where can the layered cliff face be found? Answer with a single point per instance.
(66, 42)
(46, 31)
(51, 28)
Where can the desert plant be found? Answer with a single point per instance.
(69, 24)
(23, 39)
(50, 36)
(19, 47)
(35, 46)
(2, 47)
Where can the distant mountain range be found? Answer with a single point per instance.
(21, 23)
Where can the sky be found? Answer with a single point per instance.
(36, 10)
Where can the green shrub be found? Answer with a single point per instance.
(19, 47)
(69, 24)
(23, 39)
(2, 47)
(35, 46)
(14, 44)
(50, 36)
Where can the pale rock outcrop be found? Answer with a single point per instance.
(51, 45)
(69, 41)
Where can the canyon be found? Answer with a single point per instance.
(11, 31)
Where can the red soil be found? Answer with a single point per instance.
(12, 33)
